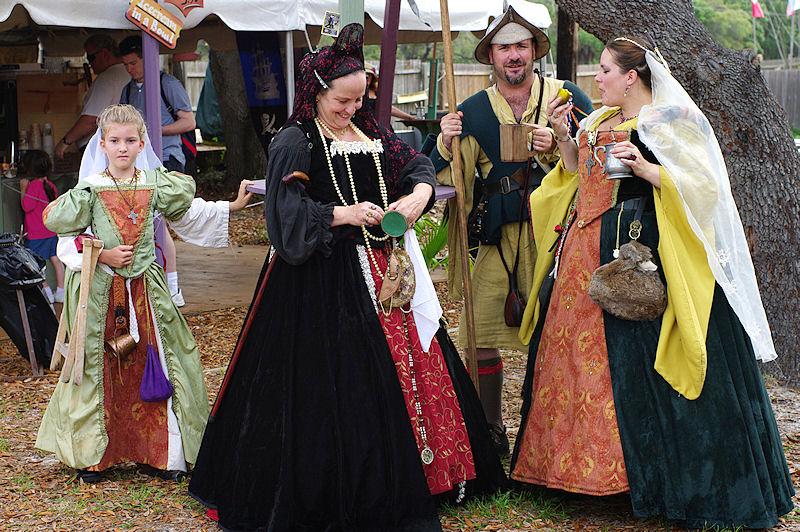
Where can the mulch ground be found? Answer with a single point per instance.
(38, 493)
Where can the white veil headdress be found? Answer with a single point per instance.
(94, 160)
(683, 141)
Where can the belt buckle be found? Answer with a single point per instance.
(505, 184)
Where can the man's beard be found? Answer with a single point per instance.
(499, 72)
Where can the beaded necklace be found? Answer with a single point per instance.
(135, 178)
(323, 128)
(426, 455)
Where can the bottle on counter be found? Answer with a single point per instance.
(35, 139)
(23, 140)
(48, 145)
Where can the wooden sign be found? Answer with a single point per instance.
(156, 21)
(186, 5)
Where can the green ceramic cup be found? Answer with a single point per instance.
(394, 224)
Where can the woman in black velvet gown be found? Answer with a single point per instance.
(335, 414)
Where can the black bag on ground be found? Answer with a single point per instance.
(22, 270)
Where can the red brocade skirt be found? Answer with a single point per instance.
(137, 430)
(442, 418)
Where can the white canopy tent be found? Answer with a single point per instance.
(63, 25)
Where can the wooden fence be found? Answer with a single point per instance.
(194, 74)
(785, 85)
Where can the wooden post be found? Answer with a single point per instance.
(391, 24)
(37, 370)
(458, 180)
(152, 92)
(567, 53)
(433, 86)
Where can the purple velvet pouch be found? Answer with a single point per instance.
(155, 386)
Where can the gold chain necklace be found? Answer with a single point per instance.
(136, 172)
(321, 126)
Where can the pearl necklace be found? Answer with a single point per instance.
(323, 128)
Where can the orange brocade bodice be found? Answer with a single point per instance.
(571, 439)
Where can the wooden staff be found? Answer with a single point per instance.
(458, 180)
(74, 363)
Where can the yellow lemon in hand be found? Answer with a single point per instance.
(564, 95)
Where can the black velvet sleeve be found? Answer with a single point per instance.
(297, 225)
(418, 170)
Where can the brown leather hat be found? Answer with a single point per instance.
(540, 41)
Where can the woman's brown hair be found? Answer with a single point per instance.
(628, 56)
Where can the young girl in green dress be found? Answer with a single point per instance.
(148, 406)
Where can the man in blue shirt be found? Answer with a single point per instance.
(176, 118)
(172, 91)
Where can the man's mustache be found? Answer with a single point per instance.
(515, 64)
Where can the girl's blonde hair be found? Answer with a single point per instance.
(121, 114)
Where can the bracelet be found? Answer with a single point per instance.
(560, 139)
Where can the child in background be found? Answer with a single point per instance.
(36, 192)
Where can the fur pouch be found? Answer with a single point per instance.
(629, 286)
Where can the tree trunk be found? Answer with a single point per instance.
(567, 53)
(244, 157)
(754, 134)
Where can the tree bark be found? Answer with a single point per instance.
(244, 156)
(567, 53)
(754, 134)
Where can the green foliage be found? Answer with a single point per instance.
(728, 22)
(432, 236)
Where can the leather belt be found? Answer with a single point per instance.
(506, 184)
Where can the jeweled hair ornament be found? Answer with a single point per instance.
(654, 51)
(321, 81)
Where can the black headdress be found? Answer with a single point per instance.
(315, 74)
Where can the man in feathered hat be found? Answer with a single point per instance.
(520, 95)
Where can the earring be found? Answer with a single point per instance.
(627, 88)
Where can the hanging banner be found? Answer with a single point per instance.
(265, 85)
(156, 21)
(186, 5)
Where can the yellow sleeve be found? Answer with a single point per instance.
(549, 206)
(681, 357)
